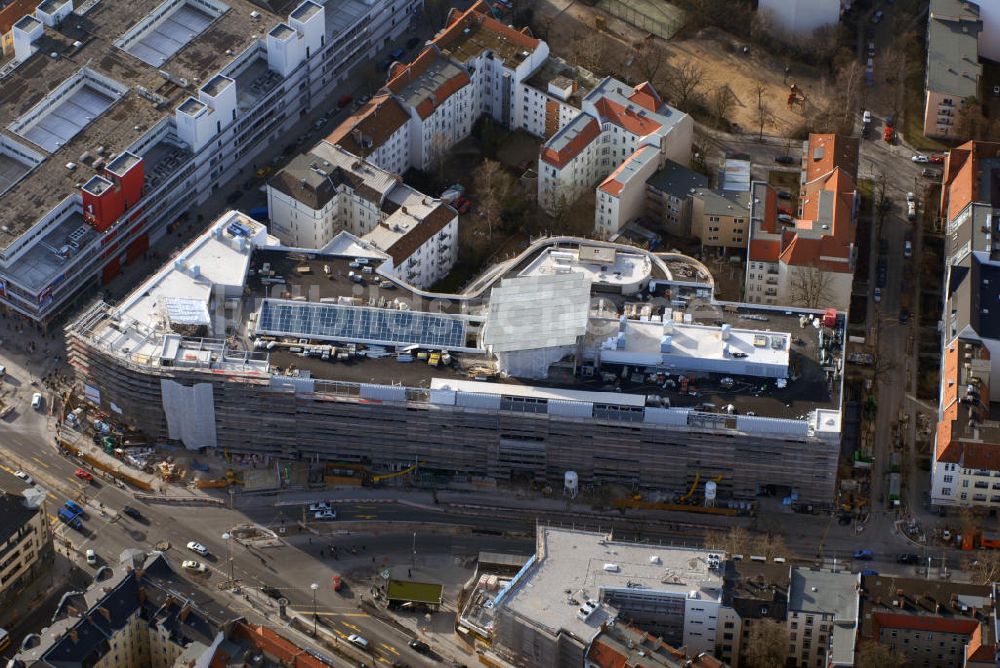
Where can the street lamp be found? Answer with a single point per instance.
(229, 555)
(314, 587)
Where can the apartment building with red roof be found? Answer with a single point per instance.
(474, 66)
(932, 623)
(620, 645)
(806, 257)
(966, 467)
(620, 138)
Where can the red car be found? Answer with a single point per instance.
(344, 101)
(937, 159)
(784, 210)
(83, 475)
(888, 134)
(337, 583)
(462, 205)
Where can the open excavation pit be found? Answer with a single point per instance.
(254, 536)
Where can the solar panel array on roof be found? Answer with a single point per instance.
(335, 322)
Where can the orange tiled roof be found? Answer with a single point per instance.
(765, 250)
(559, 158)
(624, 118)
(603, 656)
(947, 447)
(479, 14)
(961, 176)
(895, 620)
(378, 120)
(416, 68)
(835, 151)
(646, 96)
(13, 13)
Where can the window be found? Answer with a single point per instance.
(948, 478)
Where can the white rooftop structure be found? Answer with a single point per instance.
(413, 207)
(602, 265)
(541, 311)
(591, 566)
(551, 394)
(676, 344)
(735, 175)
(182, 290)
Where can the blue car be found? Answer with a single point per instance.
(74, 507)
(864, 555)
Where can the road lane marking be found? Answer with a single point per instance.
(41, 462)
(365, 517)
(390, 648)
(351, 626)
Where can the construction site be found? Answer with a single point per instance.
(552, 366)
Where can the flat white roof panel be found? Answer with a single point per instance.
(553, 393)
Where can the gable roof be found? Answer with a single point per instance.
(432, 223)
(371, 126)
(429, 80)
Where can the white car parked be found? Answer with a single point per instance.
(27, 479)
(194, 566)
(198, 547)
(326, 515)
(317, 507)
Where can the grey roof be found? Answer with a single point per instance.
(725, 202)
(543, 311)
(85, 622)
(824, 592)
(14, 514)
(676, 180)
(953, 48)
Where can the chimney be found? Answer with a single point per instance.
(73, 635)
(105, 613)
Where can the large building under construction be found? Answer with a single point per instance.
(606, 361)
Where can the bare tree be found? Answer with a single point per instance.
(973, 123)
(650, 59)
(769, 545)
(736, 540)
(493, 186)
(985, 568)
(721, 103)
(684, 81)
(810, 287)
(764, 114)
(591, 50)
(767, 644)
(874, 655)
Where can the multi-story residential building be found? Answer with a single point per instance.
(578, 582)
(188, 92)
(754, 590)
(140, 616)
(553, 96)
(801, 18)
(668, 196)
(929, 622)
(379, 132)
(822, 617)
(953, 68)
(806, 257)
(25, 537)
(530, 318)
(473, 67)
(622, 645)
(615, 121)
(965, 469)
(721, 219)
(328, 191)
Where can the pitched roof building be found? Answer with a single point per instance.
(806, 258)
(967, 442)
(953, 67)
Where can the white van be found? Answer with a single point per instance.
(36, 400)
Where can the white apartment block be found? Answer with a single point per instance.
(475, 66)
(263, 72)
(614, 122)
(327, 191)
